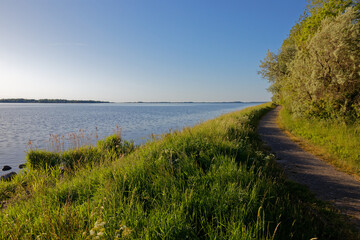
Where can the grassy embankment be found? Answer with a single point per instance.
(211, 181)
(333, 141)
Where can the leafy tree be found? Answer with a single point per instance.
(326, 74)
(316, 71)
(274, 68)
(318, 10)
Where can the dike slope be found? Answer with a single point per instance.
(329, 184)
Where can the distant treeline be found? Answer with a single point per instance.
(316, 72)
(22, 100)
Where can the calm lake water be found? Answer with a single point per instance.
(20, 123)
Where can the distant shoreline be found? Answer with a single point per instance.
(23, 100)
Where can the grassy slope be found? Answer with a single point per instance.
(211, 181)
(334, 142)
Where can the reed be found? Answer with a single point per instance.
(110, 148)
(77, 149)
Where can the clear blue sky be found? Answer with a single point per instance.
(140, 50)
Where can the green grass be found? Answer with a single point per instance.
(107, 149)
(212, 181)
(335, 141)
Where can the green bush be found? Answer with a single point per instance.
(42, 158)
(111, 147)
(316, 72)
(116, 144)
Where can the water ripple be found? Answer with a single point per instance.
(20, 123)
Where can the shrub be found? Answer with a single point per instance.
(111, 147)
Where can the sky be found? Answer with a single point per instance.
(140, 50)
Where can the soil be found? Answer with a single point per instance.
(328, 184)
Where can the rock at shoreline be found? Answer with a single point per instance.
(21, 166)
(8, 176)
(6, 168)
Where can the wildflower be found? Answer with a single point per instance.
(126, 232)
(40, 236)
(99, 224)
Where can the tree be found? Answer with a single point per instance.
(328, 69)
(316, 70)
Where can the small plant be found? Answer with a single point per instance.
(123, 233)
(97, 232)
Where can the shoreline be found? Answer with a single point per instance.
(213, 170)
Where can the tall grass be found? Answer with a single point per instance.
(46, 167)
(79, 152)
(211, 181)
(337, 142)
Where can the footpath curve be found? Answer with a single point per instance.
(328, 184)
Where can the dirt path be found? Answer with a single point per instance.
(339, 188)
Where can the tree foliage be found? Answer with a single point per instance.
(316, 11)
(317, 70)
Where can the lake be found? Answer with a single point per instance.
(21, 123)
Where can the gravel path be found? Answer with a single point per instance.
(339, 188)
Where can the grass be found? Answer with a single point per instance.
(333, 141)
(211, 181)
(107, 149)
